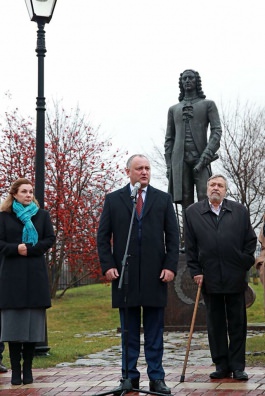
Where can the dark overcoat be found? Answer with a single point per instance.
(24, 279)
(153, 246)
(223, 250)
(205, 113)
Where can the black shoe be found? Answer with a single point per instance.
(27, 377)
(126, 384)
(159, 386)
(3, 368)
(219, 374)
(27, 373)
(240, 375)
(16, 376)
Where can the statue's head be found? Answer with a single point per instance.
(199, 90)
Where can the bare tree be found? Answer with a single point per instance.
(242, 155)
(157, 160)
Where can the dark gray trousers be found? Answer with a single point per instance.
(227, 329)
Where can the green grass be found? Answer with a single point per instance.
(72, 319)
(255, 313)
(87, 310)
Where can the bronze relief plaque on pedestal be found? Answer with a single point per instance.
(181, 299)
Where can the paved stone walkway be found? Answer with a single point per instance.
(175, 347)
(99, 373)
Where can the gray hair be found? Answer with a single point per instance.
(129, 162)
(215, 177)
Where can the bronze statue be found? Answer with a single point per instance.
(188, 150)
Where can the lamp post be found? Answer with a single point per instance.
(40, 11)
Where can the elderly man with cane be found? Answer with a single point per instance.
(220, 245)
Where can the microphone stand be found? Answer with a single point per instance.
(124, 280)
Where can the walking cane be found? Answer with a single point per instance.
(182, 378)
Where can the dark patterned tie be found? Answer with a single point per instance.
(139, 205)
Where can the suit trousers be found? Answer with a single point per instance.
(153, 327)
(227, 329)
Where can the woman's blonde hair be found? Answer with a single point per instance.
(6, 206)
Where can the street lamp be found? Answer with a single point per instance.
(40, 11)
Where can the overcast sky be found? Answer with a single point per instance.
(120, 60)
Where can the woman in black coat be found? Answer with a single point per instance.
(26, 234)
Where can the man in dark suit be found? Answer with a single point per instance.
(220, 245)
(152, 263)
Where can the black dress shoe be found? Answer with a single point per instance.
(135, 383)
(159, 386)
(219, 374)
(240, 375)
(126, 384)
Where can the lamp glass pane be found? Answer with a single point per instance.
(43, 7)
(30, 11)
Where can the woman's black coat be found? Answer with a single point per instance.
(223, 250)
(148, 255)
(24, 279)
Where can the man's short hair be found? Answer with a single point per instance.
(129, 162)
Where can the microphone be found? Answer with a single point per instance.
(135, 189)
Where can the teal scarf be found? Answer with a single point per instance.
(24, 214)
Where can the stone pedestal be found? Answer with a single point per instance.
(182, 294)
